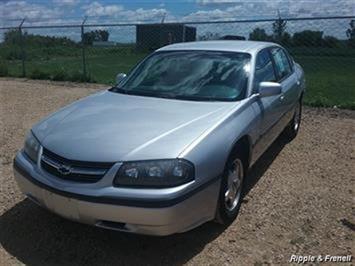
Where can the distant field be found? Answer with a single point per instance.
(102, 64)
(330, 78)
(330, 81)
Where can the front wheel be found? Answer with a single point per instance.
(231, 192)
(292, 128)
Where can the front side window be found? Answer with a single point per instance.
(290, 59)
(191, 75)
(282, 64)
(264, 70)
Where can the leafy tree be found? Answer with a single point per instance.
(351, 33)
(259, 34)
(209, 36)
(279, 27)
(308, 38)
(331, 42)
(95, 36)
(286, 39)
(104, 35)
(49, 45)
(12, 37)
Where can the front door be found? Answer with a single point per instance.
(288, 80)
(270, 108)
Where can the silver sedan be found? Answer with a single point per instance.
(169, 147)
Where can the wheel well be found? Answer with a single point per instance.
(243, 148)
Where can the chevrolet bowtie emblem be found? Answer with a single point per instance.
(64, 169)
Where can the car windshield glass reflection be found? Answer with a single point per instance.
(192, 75)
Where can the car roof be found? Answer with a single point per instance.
(251, 47)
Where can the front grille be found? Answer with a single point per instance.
(78, 171)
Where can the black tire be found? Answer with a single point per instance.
(293, 127)
(227, 212)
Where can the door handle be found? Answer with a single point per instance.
(282, 97)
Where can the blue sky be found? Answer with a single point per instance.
(66, 11)
(41, 12)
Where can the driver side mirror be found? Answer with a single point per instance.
(120, 77)
(268, 88)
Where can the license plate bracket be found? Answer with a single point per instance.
(65, 207)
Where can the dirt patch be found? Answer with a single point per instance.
(299, 200)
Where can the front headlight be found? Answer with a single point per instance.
(31, 147)
(155, 173)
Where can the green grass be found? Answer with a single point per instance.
(330, 75)
(330, 81)
(322, 51)
(101, 68)
(104, 68)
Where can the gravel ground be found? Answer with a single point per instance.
(300, 198)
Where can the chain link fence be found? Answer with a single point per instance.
(325, 47)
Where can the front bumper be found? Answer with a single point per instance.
(158, 217)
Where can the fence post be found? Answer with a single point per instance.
(22, 49)
(83, 47)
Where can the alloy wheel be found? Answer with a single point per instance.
(297, 118)
(234, 185)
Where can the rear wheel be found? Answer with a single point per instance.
(231, 192)
(292, 128)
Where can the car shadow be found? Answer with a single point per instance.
(35, 236)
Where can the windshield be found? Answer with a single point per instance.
(192, 75)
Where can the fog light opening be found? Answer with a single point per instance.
(112, 225)
(34, 199)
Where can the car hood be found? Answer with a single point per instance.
(109, 127)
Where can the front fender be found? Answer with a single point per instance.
(211, 150)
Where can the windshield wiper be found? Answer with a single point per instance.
(197, 98)
(150, 93)
(119, 90)
(167, 95)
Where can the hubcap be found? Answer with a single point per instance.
(297, 117)
(234, 186)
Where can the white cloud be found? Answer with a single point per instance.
(13, 10)
(261, 9)
(96, 9)
(66, 2)
(288, 8)
(144, 14)
(216, 2)
(242, 9)
(205, 15)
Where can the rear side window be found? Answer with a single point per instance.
(264, 70)
(282, 64)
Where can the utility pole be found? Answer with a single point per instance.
(22, 49)
(279, 27)
(163, 18)
(83, 46)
